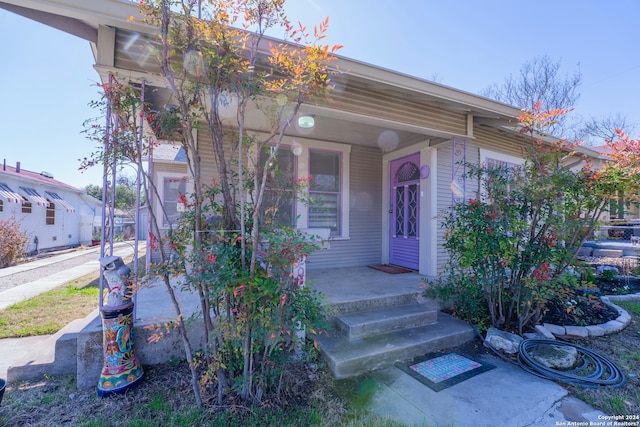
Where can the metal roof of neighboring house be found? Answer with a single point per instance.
(9, 195)
(35, 197)
(18, 185)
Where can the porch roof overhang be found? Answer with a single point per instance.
(375, 100)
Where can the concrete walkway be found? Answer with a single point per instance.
(504, 396)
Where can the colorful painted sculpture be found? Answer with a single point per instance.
(121, 369)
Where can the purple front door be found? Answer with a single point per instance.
(405, 212)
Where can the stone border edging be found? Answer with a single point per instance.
(612, 326)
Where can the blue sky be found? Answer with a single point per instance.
(47, 78)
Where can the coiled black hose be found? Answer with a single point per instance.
(596, 371)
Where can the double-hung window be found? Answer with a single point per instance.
(278, 199)
(173, 195)
(325, 190)
(50, 213)
(503, 166)
(27, 207)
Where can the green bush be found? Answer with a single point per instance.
(512, 247)
(13, 242)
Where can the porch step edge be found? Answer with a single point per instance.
(349, 358)
(374, 302)
(366, 323)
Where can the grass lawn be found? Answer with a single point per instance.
(49, 312)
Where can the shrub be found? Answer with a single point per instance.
(514, 244)
(13, 242)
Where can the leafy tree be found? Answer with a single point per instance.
(540, 81)
(223, 246)
(126, 191)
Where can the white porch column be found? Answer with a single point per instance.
(428, 212)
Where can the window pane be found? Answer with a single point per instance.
(324, 190)
(325, 170)
(51, 213)
(324, 212)
(26, 205)
(282, 168)
(400, 211)
(412, 210)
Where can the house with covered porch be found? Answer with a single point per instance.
(392, 144)
(390, 148)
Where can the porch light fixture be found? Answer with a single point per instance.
(306, 121)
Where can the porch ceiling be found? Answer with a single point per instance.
(329, 126)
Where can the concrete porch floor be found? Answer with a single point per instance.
(345, 285)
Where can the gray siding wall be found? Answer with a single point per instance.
(486, 138)
(365, 243)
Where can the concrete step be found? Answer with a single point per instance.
(348, 358)
(366, 323)
(373, 302)
(77, 348)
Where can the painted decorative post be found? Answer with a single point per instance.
(300, 277)
(300, 271)
(459, 171)
(121, 369)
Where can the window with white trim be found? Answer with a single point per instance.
(329, 163)
(26, 205)
(500, 162)
(173, 195)
(488, 157)
(325, 190)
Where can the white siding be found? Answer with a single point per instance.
(66, 228)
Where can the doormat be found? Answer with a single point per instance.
(440, 372)
(391, 269)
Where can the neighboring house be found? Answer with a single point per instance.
(52, 213)
(389, 146)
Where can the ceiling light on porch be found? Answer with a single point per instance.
(306, 121)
